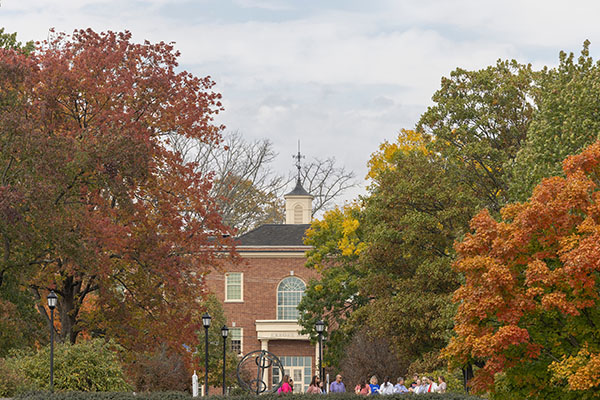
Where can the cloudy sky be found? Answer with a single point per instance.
(341, 76)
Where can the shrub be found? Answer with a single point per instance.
(91, 366)
(106, 396)
(182, 396)
(161, 371)
(10, 380)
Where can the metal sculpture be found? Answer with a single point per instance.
(261, 361)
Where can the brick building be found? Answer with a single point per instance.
(260, 295)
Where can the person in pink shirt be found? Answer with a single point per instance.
(363, 388)
(285, 386)
(315, 386)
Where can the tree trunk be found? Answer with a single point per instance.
(467, 376)
(69, 309)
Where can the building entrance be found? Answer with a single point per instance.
(297, 374)
(299, 369)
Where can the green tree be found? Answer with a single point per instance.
(422, 203)
(215, 349)
(9, 41)
(479, 121)
(386, 265)
(567, 120)
(424, 189)
(21, 325)
(414, 213)
(336, 242)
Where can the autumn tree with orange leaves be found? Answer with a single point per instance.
(93, 202)
(529, 308)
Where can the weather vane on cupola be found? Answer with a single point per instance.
(298, 202)
(298, 157)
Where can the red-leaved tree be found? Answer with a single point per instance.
(529, 306)
(94, 203)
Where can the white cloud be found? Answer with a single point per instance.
(273, 5)
(340, 79)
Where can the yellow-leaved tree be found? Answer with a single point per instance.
(406, 142)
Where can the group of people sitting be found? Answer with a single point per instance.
(372, 387)
(316, 386)
(423, 385)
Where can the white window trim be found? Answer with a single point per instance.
(241, 300)
(241, 341)
(277, 297)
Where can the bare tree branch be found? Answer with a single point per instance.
(326, 182)
(247, 190)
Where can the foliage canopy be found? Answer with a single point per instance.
(386, 262)
(530, 297)
(566, 121)
(94, 204)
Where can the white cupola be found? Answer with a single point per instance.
(298, 205)
(298, 202)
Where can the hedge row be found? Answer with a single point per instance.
(186, 396)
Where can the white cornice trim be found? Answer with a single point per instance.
(279, 330)
(270, 254)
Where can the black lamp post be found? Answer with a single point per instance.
(320, 327)
(52, 299)
(224, 333)
(206, 323)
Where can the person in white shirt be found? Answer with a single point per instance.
(419, 388)
(442, 386)
(430, 385)
(386, 387)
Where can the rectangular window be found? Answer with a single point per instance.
(298, 368)
(234, 286)
(236, 340)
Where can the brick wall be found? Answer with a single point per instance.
(292, 348)
(261, 276)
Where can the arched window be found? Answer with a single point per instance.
(289, 294)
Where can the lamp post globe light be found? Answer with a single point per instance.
(206, 323)
(52, 300)
(320, 327)
(224, 334)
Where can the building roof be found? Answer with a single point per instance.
(298, 190)
(274, 235)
